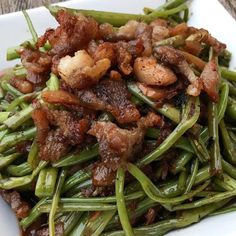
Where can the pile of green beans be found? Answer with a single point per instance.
(200, 180)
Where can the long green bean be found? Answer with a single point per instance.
(188, 120)
(192, 178)
(6, 160)
(19, 170)
(120, 201)
(55, 201)
(83, 156)
(154, 193)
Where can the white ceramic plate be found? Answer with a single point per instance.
(207, 14)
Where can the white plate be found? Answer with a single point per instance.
(206, 14)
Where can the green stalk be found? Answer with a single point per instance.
(31, 27)
(72, 159)
(188, 120)
(19, 170)
(55, 201)
(46, 182)
(121, 207)
(6, 160)
(10, 140)
(19, 118)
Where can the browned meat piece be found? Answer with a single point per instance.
(55, 146)
(203, 36)
(102, 175)
(81, 71)
(160, 30)
(116, 145)
(124, 61)
(175, 58)
(74, 33)
(38, 65)
(180, 29)
(210, 79)
(115, 75)
(128, 30)
(57, 131)
(18, 205)
(60, 97)
(107, 32)
(59, 230)
(22, 85)
(148, 71)
(144, 32)
(35, 61)
(41, 122)
(116, 97)
(160, 94)
(105, 50)
(71, 127)
(89, 99)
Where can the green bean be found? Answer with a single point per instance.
(7, 87)
(166, 110)
(209, 200)
(53, 83)
(46, 182)
(119, 19)
(3, 133)
(6, 160)
(229, 146)
(31, 27)
(19, 118)
(78, 229)
(231, 109)
(13, 53)
(175, 41)
(77, 188)
(228, 74)
(225, 182)
(193, 175)
(222, 105)
(20, 170)
(232, 88)
(33, 215)
(110, 199)
(182, 181)
(226, 209)
(186, 15)
(229, 169)
(55, 201)
(216, 165)
(95, 226)
(13, 182)
(4, 115)
(77, 178)
(141, 208)
(184, 144)
(200, 149)
(154, 193)
(12, 139)
(72, 159)
(67, 207)
(180, 162)
(70, 220)
(32, 159)
(20, 71)
(186, 218)
(21, 99)
(185, 124)
(120, 201)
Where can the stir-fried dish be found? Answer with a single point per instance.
(118, 124)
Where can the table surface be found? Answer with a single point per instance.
(7, 6)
